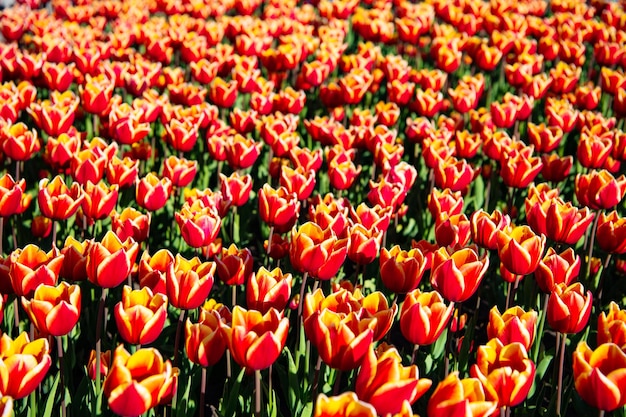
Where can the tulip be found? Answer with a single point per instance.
(99, 200)
(344, 405)
(342, 340)
(179, 171)
(140, 316)
(298, 181)
(204, 341)
(569, 308)
(152, 193)
(557, 268)
(56, 200)
(31, 266)
(317, 252)
(278, 208)
(268, 289)
(424, 317)
(457, 275)
(454, 174)
(611, 233)
(131, 223)
(612, 326)
(23, 364)
(598, 375)
(520, 249)
(122, 172)
(242, 153)
(110, 262)
(54, 310)
(555, 168)
(452, 231)
(599, 189)
(19, 143)
(445, 202)
(11, 192)
(234, 266)
(386, 384)
(401, 271)
(199, 225)
(513, 326)
(105, 362)
(461, 397)
(138, 382)
(256, 340)
(364, 244)
(558, 220)
(519, 168)
(505, 371)
(190, 284)
(484, 227)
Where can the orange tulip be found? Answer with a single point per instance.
(99, 200)
(514, 325)
(10, 195)
(557, 268)
(54, 310)
(424, 317)
(484, 227)
(204, 341)
(268, 289)
(190, 284)
(318, 252)
(23, 364)
(520, 249)
(457, 275)
(611, 232)
(461, 397)
(612, 326)
(140, 316)
(19, 143)
(401, 271)
(364, 244)
(234, 266)
(131, 223)
(256, 340)
(278, 208)
(138, 382)
(598, 375)
(599, 189)
(109, 262)
(386, 384)
(198, 224)
(56, 200)
(105, 362)
(31, 266)
(558, 220)
(505, 371)
(152, 193)
(455, 174)
(344, 405)
(569, 308)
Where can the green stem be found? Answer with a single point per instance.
(179, 327)
(61, 374)
(99, 329)
(202, 391)
(591, 243)
(302, 289)
(257, 393)
(560, 380)
(33, 403)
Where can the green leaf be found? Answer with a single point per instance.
(52, 396)
(230, 407)
(439, 347)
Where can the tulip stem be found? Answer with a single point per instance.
(302, 289)
(202, 391)
(16, 315)
(99, 326)
(316, 377)
(179, 327)
(414, 354)
(560, 380)
(61, 378)
(257, 393)
(600, 282)
(234, 295)
(54, 234)
(337, 383)
(591, 243)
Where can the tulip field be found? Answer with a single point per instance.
(319, 208)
